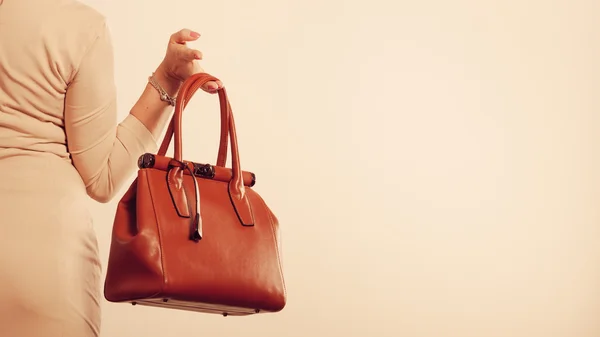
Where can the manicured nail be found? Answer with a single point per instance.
(194, 34)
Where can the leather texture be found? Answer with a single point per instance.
(194, 236)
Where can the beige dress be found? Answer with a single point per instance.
(59, 145)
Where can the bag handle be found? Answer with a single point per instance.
(223, 143)
(236, 188)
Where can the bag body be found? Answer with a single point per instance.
(195, 236)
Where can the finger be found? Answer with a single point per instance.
(183, 36)
(212, 86)
(192, 54)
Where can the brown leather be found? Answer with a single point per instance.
(193, 236)
(211, 171)
(222, 155)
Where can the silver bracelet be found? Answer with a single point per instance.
(163, 94)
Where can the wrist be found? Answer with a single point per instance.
(169, 84)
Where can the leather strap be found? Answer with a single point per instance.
(223, 143)
(236, 188)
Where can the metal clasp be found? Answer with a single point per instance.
(204, 170)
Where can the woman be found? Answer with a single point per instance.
(59, 144)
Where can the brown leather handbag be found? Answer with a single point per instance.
(194, 236)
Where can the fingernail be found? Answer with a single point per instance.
(194, 34)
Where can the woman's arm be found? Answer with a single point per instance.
(179, 63)
(104, 153)
(149, 109)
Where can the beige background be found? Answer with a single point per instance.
(434, 164)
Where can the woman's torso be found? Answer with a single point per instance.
(41, 43)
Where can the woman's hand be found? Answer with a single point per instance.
(181, 62)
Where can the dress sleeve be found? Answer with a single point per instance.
(103, 152)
